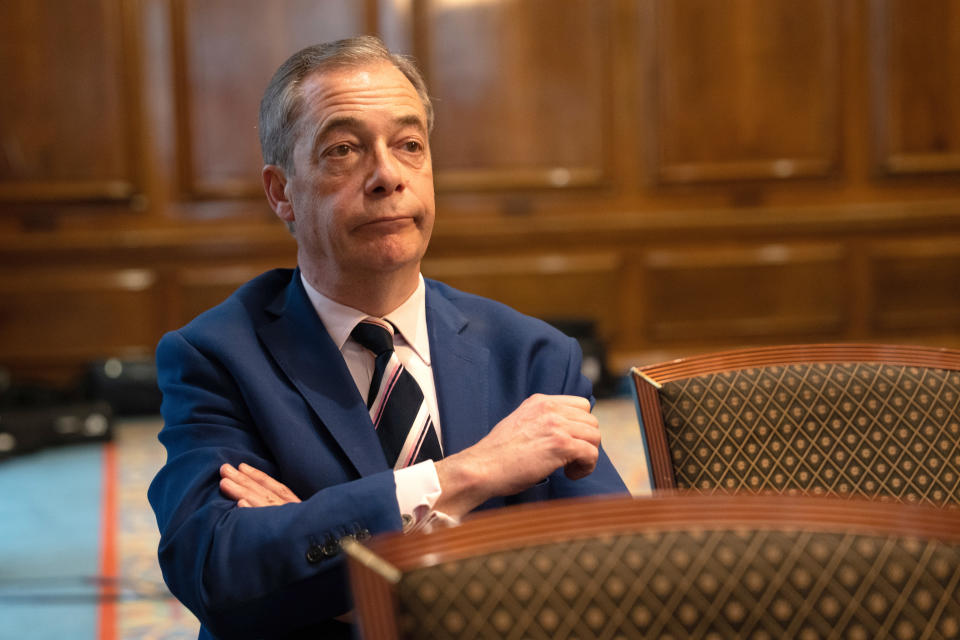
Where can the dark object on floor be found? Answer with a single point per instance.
(594, 353)
(28, 429)
(130, 386)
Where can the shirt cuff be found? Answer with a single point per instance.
(418, 489)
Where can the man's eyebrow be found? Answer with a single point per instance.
(412, 121)
(340, 122)
(349, 122)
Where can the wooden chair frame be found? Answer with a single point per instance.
(648, 379)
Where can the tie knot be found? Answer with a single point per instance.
(377, 336)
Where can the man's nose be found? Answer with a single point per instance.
(386, 174)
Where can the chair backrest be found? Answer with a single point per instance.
(869, 420)
(721, 566)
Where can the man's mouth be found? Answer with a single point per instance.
(387, 221)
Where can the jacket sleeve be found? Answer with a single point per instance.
(247, 572)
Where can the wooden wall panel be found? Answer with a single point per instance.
(67, 111)
(746, 292)
(522, 92)
(579, 286)
(916, 56)
(56, 316)
(916, 285)
(226, 52)
(614, 160)
(745, 89)
(200, 288)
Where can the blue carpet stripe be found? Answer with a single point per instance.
(50, 517)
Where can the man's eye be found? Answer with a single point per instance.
(412, 146)
(339, 150)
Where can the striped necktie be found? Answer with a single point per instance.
(397, 408)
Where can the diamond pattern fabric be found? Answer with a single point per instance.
(848, 429)
(720, 583)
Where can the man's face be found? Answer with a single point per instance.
(361, 189)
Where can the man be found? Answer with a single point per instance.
(273, 456)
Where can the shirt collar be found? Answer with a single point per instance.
(410, 318)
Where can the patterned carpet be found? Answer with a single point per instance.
(145, 610)
(622, 442)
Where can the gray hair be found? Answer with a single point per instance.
(282, 102)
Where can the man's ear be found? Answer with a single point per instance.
(275, 186)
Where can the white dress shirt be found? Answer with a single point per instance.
(418, 486)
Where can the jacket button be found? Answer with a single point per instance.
(330, 548)
(315, 554)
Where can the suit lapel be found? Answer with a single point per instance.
(298, 341)
(460, 374)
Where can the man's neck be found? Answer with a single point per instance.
(375, 294)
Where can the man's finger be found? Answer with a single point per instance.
(236, 492)
(572, 408)
(269, 483)
(254, 486)
(574, 402)
(232, 473)
(236, 486)
(584, 462)
(579, 469)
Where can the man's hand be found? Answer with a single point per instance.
(543, 434)
(253, 488)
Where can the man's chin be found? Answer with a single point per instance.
(392, 258)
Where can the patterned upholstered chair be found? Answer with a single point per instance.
(720, 566)
(864, 420)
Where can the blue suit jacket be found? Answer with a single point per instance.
(258, 380)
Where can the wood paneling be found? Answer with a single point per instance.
(747, 292)
(68, 111)
(200, 288)
(687, 174)
(522, 92)
(550, 285)
(916, 59)
(226, 51)
(55, 316)
(916, 285)
(745, 89)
